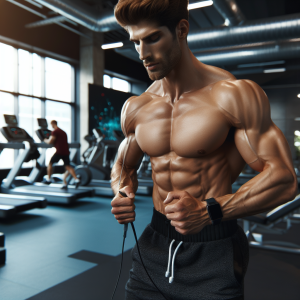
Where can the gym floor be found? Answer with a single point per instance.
(70, 253)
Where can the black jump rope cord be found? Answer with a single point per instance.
(124, 236)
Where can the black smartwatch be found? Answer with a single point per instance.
(214, 211)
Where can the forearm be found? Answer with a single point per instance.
(271, 188)
(129, 177)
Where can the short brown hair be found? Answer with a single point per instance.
(53, 122)
(164, 12)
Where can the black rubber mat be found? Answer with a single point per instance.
(271, 275)
(97, 283)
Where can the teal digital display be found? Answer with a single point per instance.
(105, 107)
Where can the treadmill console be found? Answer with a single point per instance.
(12, 132)
(11, 120)
(42, 123)
(15, 134)
(43, 133)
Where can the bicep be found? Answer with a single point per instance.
(130, 152)
(260, 148)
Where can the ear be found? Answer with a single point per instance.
(182, 29)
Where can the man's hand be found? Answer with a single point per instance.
(187, 214)
(123, 207)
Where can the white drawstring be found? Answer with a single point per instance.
(169, 259)
(173, 260)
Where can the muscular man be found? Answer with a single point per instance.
(199, 125)
(60, 141)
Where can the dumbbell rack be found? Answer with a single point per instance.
(2, 249)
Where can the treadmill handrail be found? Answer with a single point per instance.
(46, 146)
(17, 166)
(12, 145)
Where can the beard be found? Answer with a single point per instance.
(166, 63)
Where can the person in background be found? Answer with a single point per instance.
(60, 141)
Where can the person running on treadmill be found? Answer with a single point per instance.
(60, 141)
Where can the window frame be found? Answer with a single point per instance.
(42, 98)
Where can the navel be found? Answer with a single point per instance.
(201, 152)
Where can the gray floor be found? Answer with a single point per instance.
(39, 242)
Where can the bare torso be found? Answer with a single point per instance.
(190, 143)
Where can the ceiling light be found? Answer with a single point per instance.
(275, 70)
(297, 133)
(261, 64)
(113, 45)
(298, 96)
(200, 4)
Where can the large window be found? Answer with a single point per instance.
(116, 84)
(6, 107)
(58, 80)
(124, 84)
(8, 60)
(29, 110)
(30, 73)
(31, 87)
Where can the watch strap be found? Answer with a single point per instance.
(212, 201)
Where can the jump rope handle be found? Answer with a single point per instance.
(138, 248)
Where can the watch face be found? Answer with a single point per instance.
(215, 211)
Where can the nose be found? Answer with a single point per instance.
(144, 51)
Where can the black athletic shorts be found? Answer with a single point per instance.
(57, 157)
(210, 265)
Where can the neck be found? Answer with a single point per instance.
(184, 77)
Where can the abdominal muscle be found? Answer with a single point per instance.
(202, 178)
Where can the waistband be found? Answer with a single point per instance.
(209, 233)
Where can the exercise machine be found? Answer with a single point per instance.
(28, 186)
(98, 161)
(10, 205)
(44, 133)
(2, 249)
(256, 226)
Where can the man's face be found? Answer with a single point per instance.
(52, 125)
(157, 47)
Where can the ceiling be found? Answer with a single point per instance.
(207, 17)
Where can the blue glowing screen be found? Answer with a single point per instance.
(105, 107)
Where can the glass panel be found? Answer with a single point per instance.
(107, 81)
(7, 107)
(30, 73)
(37, 75)
(58, 80)
(62, 113)
(29, 110)
(120, 85)
(25, 72)
(7, 67)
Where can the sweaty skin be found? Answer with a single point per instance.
(200, 125)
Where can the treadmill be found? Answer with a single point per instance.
(10, 205)
(27, 186)
(99, 154)
(44, 133)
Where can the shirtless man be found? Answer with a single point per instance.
(200, 126)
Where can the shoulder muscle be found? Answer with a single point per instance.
(244, 103)
(130, 110)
